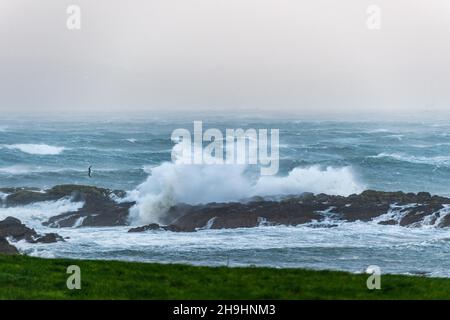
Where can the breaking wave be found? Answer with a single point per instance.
(435, 161)
(34, 214)
(172, 183)
(36, 149)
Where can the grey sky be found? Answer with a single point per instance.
(297, 56)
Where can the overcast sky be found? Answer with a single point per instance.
(298, 56)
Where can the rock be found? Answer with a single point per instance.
(444, 222)
(99, 209)
(155, 226)
(13, 228)
(388, 222)
(407, 209)
(49, 238)
(100, 214)
(6, 248)
(152, 226)
(23, 197)
(322, 225)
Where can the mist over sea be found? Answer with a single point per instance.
(334, 157)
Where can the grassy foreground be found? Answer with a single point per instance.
(24, 277)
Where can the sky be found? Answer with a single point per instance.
(231, 56)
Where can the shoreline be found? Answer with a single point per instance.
(62, 223)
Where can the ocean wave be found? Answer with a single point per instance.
(24, 170)
(380, 130)
(172, 183)
(13, 170)
(34, 214)
(435, 161)
(36, 149)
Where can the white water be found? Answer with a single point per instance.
(436, 161)
(34, 214)
(36, 149)
(348, 246)
(172, 183)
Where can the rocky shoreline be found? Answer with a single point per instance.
(101, 208)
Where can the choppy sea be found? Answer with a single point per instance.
(336, 157)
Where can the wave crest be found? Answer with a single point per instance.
(171, 183)
(434, 161)
(36, 149)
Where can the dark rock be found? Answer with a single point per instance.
(171, 228)
(246, 215)
(423, 196)
(152, 226)
(49, 238)
(99, 209)
(444, 222)
(6, 248)
(388, 222)
(93, 214)
(412, 210)
(155, 226)
(322, 225)
(26, 196)
(13, 228)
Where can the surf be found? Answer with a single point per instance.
(36, 149)
(172, 183)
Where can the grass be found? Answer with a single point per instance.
(23, 277)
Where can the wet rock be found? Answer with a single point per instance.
(49, 238)
(93, 214)
(321, 225)
(155, 226)
(188, 218)
(444, 221)
(388, 222)
(413, 216)
(407, 209)
(152, 226)
(24, 196)
(6, 247)
(99, 210)
(13, 228)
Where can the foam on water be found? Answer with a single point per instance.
(435, 161)
(36, 149)
(34, 214)
(348, 246)
(330, 157)
(172, 183)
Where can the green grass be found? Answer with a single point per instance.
(23, 277)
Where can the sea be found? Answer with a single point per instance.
(330, 156)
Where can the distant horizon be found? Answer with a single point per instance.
(366, 116)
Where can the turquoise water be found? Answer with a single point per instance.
(407, 156)
(319, 156)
